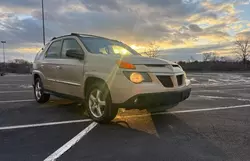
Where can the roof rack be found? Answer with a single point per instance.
(79, 34)
(54, 38)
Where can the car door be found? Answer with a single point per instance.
(49, 65)
(70, 70)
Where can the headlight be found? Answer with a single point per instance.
(137, 77)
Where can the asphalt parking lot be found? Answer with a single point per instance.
(213, 124)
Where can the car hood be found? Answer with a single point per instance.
(139, 60)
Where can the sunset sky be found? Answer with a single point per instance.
(182, 28)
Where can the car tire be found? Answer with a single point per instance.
(40, 96)
(99, 106)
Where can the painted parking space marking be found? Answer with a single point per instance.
(197, 90)
(43, 124)
(71, 143)
(16, 101)
(209, 97)
(11, 80)
(189, 111)
(10, 84)
(24, 91)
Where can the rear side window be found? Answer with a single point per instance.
(70, 44)
(54, 50)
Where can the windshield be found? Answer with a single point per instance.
(106, 46)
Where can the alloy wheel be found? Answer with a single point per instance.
(38, 90)
(96, 103)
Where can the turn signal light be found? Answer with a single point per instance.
(125, 65)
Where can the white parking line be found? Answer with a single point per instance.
(17, 75)
(43, 124)
(206, 97)
(189, 111)
(16, 91)
(221, 84)
(197, 90)
(11, 80)
(9, 84)
(16, 101)
(70, 143)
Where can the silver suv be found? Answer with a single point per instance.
(107, 74)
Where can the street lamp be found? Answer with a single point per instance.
(43, 23)
(3, 42)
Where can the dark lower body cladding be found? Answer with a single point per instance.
(150, 100)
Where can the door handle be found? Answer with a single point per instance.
(58, 67)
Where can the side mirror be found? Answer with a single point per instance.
(72, 53)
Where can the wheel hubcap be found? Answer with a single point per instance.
(38, 90)
(97, 103)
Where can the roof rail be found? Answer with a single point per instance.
(74, 34)
(53, 38)
(79, 34)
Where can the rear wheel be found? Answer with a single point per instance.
(40, 96)
(99, 103)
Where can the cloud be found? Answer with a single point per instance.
(195, 28)
(194, 52)
(102, 5)
(170, 23)
(215, 36)
(244, 34)
(205, 16)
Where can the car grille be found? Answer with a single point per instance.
(155, 65)
(179, 79)
(166, 81)
(176, 66)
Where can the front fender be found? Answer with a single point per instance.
(40, 74)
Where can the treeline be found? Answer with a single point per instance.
(22, 66)
(19, 66)
(215, 66)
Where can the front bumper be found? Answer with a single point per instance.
(144, 101)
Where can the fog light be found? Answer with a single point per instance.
(136, 77)
(188, 81)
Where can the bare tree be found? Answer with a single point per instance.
(152, 50)
(214, 57)
(210, 56)
(191, 59)
(242, 49)
(206, 56)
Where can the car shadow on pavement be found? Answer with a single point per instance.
(70, 106)
(178, 133)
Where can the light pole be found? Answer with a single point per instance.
(3, 42)
(43, 23)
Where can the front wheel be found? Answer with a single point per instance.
(99, 103)
(40, 96)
